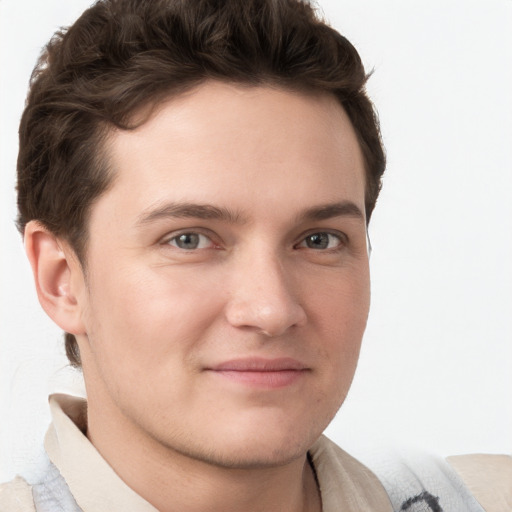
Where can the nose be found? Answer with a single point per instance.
(262, 297)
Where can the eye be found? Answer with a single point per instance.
(190, 241)
(322, 241)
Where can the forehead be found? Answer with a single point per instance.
(228, 142)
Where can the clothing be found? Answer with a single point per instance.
(78, 479)
(489, 477)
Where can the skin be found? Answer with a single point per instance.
(275, 266)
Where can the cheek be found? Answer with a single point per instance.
(338, 316)
(343, 302)
(150, 312)
(340, 313)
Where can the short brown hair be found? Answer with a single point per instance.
(123, 55)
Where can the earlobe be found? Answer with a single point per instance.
(55, 270)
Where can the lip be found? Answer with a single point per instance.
(261, 372)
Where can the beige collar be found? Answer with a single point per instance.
(344, 482)
(92, 482)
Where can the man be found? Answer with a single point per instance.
(195, 183)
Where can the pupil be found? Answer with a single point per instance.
(318, 241)
(188, 241)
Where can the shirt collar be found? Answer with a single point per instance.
(343, 481)
(92, 482)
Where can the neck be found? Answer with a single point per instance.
(172, 481)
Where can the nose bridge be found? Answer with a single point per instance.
(263, 295)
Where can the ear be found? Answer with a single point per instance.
(58, 277)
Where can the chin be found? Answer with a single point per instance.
(253, 454)
(255, 446)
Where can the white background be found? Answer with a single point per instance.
(436, 365)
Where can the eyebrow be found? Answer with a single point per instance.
(189, 210)
(330, 210)
(211, 212)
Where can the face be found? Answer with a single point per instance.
(227, 284)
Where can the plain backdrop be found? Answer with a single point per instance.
(435, 369)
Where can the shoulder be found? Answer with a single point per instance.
(16, 496)
(488, 477)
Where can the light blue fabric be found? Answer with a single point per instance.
(51, 492)
(424, 483)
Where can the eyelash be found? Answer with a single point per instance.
(341, 237)
(302, 244)
(189, 233)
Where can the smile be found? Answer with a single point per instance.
(263, 373)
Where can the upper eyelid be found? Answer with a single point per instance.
(216, 239)
(335, 232)
(208, 244)
(167, 242)
(184, 231)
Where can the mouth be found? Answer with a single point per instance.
(261, 372)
